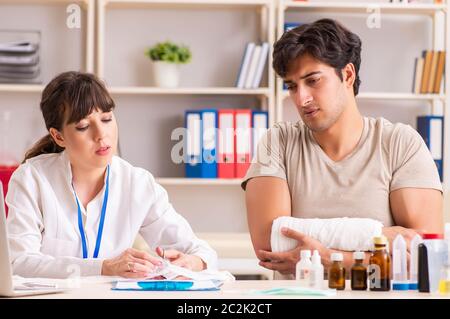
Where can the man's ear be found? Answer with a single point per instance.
(349, 74)
(57, 137)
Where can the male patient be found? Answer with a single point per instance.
(335, 162)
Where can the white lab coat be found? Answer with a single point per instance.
(43, 233)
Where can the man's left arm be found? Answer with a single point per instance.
(415, 195)
(420, 209)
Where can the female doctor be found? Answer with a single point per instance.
(74, 206)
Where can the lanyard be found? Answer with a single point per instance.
(102, 220)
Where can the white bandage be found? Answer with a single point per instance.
(349, 234)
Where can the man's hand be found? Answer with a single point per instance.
(177, 258)
(285, 262)
(407, 233)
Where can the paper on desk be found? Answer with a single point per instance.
(295, 291)
(170, 272)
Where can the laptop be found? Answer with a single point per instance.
(7, 288)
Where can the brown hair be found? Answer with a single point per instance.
(68, 98)
(326, 40)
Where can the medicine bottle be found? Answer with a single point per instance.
(303, 268)
(380, 266)
(336, 273)
(359, 272)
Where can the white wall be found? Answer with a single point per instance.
(62, 49)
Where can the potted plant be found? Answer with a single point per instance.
(167, 57)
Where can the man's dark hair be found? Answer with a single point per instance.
(326, 40)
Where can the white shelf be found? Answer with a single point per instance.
(187, 3)
(150, 90)
(25, 88)
(40, 2)
(190, 91)
(199, 181)
(354, 7)
(391, 96)
(399, 96)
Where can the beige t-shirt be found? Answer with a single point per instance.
(387, 157)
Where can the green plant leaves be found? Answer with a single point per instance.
(169, 52)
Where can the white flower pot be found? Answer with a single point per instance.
(167, 75)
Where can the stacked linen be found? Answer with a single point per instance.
(19, 62)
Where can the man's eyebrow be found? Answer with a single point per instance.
(309, 74)
(303, 77)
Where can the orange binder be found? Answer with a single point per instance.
(243, 144)
(226, 147)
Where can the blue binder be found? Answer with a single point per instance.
(201, 155)
(288, 26)
(431, 128)
(192, 145)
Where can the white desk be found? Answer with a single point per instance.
(100, 288)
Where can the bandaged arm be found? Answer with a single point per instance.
(348, 234)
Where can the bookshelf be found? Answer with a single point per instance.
(216, 91)
(438, 40)
(265, 9)
(224, 226)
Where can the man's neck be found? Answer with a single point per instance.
(342, 137)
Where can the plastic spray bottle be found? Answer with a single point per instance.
(316, 276)
(400, 268)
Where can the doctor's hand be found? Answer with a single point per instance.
(285, 262)
(131, 263)
(180, 259)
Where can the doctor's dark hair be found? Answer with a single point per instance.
(69, 98)
(326, 40)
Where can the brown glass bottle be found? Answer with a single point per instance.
(380, 266)
(336, 273)
(359, 272)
